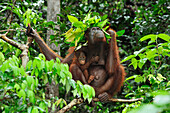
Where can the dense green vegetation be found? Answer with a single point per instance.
(144, 51)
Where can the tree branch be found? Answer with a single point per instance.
(12, 30)
(22, 47)
(80, 100)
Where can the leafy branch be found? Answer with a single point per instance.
(80, 100)
(22, 47)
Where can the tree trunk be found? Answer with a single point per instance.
(53, 8)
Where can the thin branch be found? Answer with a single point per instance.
(120, 100)
(71, 104)
(12, 30)
(80, 100)
(22, 47)
(11, 42)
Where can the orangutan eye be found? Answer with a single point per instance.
(93, 28)
(98, 28)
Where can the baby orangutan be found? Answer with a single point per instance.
(83, 64)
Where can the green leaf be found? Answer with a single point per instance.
(139, 78)
(34, 21)
(120, 33)
(2, 58)
(68, 33)
(16, 70)
(164, 37)
(23, 85)
(34, 63)
(42, 57)
(5, 8)
(104, 17)
(75, 92)
(102, 23)
(42, 105)
(5, 66)
(131, 77)
(51, 63)
(168, 84)
(68, 86)
(64, 102)
(17, 87)
(142, 62)
(160, 77)
(21, 107)
(151, 53)
(29, 110)
(28, 66)
(30, 80)
(79, 24)
(128, 58)
(35, 110)
(151, 36)
(86, 91)
(31, 96)
(22, 71)
(36, 72)
(70, 38)
(134, 63)
(38, 63)
(72, 19)
(53, 107)
(58, 101)
(36, 82)
(145, 86)
(21, 93)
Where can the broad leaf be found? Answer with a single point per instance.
(147, 37)
(120, 33)
(164, 37)
(72, 19)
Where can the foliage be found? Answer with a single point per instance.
(147, 74)
(153, 53)
(26, 86)
(77, 35)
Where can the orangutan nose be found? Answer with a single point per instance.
(99, 35)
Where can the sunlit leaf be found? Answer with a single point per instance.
(59, 101)
(22, 93)
(31, 96)
(102, 23)
(35, 110)
(42, 105)
(128, 58)
(30, 80)
(164, 37)
(134, 63)
(79, 24)
(160, 77)
(72, 19)
(17, 87)
(147, 37)
(120, 33)
(139, 78)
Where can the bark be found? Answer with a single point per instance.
(53, 8)
(80, 100)
(22, 47)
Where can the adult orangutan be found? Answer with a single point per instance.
(108, 72)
